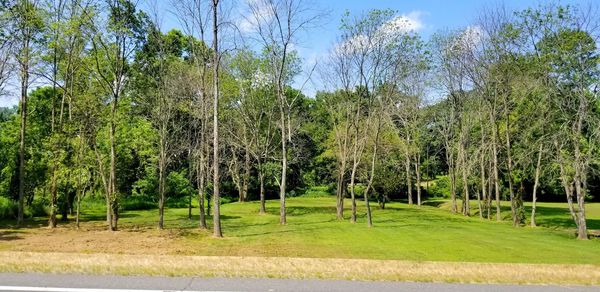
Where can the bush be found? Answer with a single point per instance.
(138, 203)
(318, 191)
(181, 202)
(8, 208)
(440, 187)
(40, 206)
(93, 203)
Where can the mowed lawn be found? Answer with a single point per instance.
(400, 232)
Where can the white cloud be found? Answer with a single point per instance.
(410, 22)
(388, 32)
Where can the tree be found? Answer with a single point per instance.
(194, 16)
(162, 83)
(574, 60)
(215, 64)
(278, 24)
(113, 45)
(26, 26)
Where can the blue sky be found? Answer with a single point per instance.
(428, 16)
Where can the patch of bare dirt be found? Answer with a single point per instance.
(94, 239)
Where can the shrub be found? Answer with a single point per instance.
(138, 203)
(8, 208)
(318, 191)
(181, 202)
(40, 206)
(440, 187)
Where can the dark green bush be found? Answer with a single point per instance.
(8, 208)
(440, 187)
(318, 191)
(138, 203)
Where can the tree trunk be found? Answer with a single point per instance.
(372, 174)
(261, 176)
(513, 203)
(418, 173)
(579, 178)
(282, 184)
(246, 178)
(496, 180)
(340, 191)
(483, 182)
(408, 178)
(466, 207)
(161, 187)
(535, 185)
(79, 195)
(201, 192)
(113, 168)
(23, 108)
(216, 195)
(353, 191)
(452, 175)
(53, 195)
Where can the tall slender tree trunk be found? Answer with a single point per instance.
(490, 189)
(353, 189)
(201, 191)
(452, 176)
(355, 162)
(464, 169)
(513, 203)
(113, 168)
(261, 176)
(495, 166)
(418, 175)
(340, 190)
(407, 167)
(579, 177)
(372, 174)
(246, 178)
(80, 189)
(161, 186)
(483, 182)
(282, 184)
(23, 111)
(535, 185)
(216, 195)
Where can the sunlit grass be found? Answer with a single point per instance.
(400, 232)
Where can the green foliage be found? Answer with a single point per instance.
(138, 203)
(8, 208)
(318, 191)
(440, 187)
(178, 185)
(37, 208)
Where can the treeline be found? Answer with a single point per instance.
(113, 107)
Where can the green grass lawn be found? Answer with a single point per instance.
(400, 232)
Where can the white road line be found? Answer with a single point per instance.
(58, 289)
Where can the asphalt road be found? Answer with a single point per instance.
(87, 283)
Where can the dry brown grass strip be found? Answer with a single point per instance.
(298, 268)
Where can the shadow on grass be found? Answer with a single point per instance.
(558, 217)
(434, 203)
(29, 223)
(301, 211)
(9, 235)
